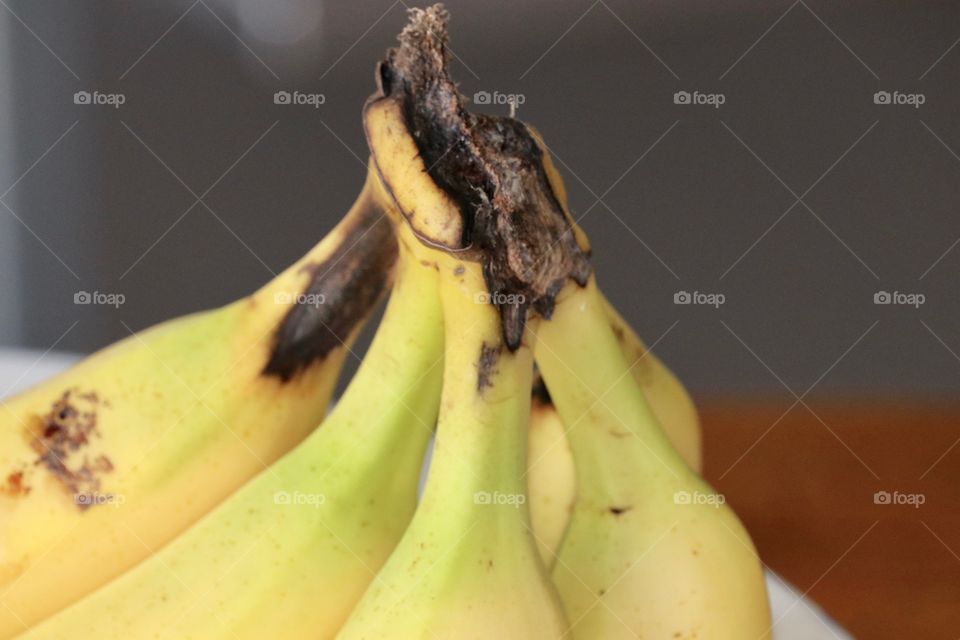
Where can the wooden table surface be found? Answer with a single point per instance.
(804, 483)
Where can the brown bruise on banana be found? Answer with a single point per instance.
(487, 366)
(350, 281)
(59, 438)
(492, 168)
(14, 485)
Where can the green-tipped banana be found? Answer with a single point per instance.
(291, 552)
(651, 551)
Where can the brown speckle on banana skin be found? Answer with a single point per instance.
(61, 436)
(487, 366)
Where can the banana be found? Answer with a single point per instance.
(290, 553)
(109, 461)
(551, 470)
(651, 551)
(551, 479)
(468, 566)
(667, 396)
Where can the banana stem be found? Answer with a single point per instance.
(481, 443)
(583, 366)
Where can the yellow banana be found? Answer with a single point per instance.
(110, 460)
(651, 551)
(551, 470)
(290, 553)
(551, 476)
(667, 396)
(467, 567)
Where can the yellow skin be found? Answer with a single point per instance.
(467, 567)
(184, 414)
(650, 551)
(290, 553)
(551, 479)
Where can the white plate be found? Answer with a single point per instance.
(796, 617)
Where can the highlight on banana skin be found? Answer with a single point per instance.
(560, 441)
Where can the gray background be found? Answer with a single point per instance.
(101, 197)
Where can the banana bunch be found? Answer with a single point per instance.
(175, 485)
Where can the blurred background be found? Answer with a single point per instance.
(771, 189)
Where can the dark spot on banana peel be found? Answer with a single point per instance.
(617, 331)
(620, 510)
(492, 168)
(14, 485)
(487, 366)
(58, 439)
(349, 282)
